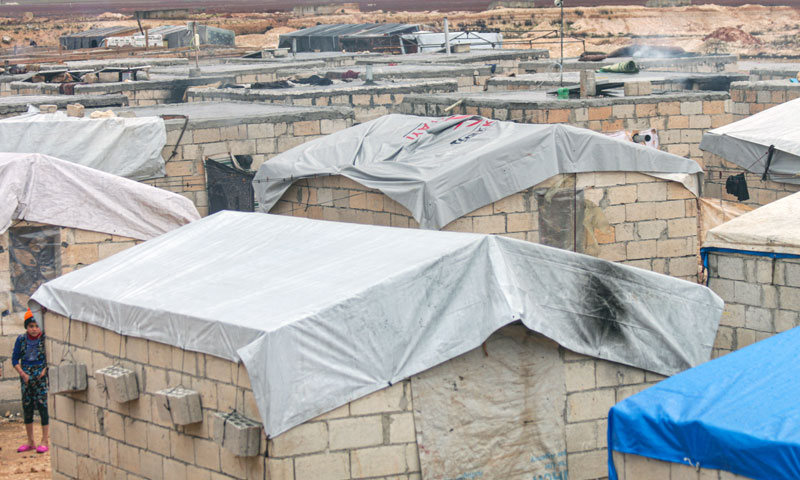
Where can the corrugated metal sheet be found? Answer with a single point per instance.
(335, 37)
(101, 32)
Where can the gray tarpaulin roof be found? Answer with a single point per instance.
(746, 142)
(443, 168)
(323, 313)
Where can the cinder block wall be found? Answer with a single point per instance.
(78, 248)
(139, 93)
(93, 437)
(370, 438)
(761, 294)
(697, 64)
(761, 74)
(651, 223)
(761, 192)
(749, 98)
(679, 118)
(527, 82)
(635, 467)
(261, 138)
(368, 103)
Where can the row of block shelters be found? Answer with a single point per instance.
(638, 215)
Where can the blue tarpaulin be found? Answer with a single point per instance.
(739, 413)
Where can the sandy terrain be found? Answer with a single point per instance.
(20, 466)
(750, 30)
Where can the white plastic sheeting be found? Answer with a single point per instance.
(746, 142)
(322, 313)
(435, 41)
(443, 168)
(128, 147)
(44, 189)
(773, 228)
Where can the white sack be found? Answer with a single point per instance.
(44, 189)
(443, 168)
(128, 147)
(323, 313)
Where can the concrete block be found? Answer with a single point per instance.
(237, 434)
(68, 377)
(631, 89)
(325, 466)
(588, 83)
(75, 110)
(356, 432)
(48, 108)
(305, 438)
(120, 384)
(747, 293)
(179, 405)
(378, 461)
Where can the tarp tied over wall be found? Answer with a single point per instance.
(773, 228)
(128, 147)
(322, 313)
(443, 168)
(737, 413)
(44, 189)
(747, 141)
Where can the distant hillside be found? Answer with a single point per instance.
(49, 7)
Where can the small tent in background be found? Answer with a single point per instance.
(737, 413)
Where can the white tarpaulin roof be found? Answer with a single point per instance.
(746, 142)
(772, 228)
(322, 313)
(128, 147)
(435, 42)
(443, 168)
(44, 189)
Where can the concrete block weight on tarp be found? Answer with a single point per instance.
(67, 378)
(121, 384)
(237, 434)
(179, 406)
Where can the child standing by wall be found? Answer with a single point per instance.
(30, 362)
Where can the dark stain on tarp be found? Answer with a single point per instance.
(605, 308)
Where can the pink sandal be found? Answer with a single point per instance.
(42, 449)
(25, 448)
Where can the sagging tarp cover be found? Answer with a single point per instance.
(128, 147)
(322, 313)
(737, 413)
(44, 189)
(773, 228)
(747, 141)
(443, 168)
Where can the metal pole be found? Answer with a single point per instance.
(446, 36)
(294, 46)
(562, 43)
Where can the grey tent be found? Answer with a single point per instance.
(747, 143)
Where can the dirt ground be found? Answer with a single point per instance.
(749, 30)
(20, 466)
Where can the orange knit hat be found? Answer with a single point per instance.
(28, 314)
